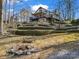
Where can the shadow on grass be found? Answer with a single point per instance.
(68, 50)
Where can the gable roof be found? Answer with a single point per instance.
(41, 9)
(40, 12)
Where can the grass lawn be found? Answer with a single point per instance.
(39, 42)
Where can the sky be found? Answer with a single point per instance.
(33, 5)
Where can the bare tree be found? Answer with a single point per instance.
(1, 16)
(66, 9)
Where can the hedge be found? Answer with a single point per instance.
(41, 32)
(32, 32)
(25, 28)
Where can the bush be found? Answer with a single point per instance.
(29, 27)
(73, 31)
(75, 22)
(32, 32)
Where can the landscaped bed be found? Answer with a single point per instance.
(32, 32)
(39, 32)
(35, 27)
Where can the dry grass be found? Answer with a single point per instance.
(40, 42)
(56, 40)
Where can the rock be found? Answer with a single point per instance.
(22, 50)
(28, 52)
(27, 41)
(33, 50)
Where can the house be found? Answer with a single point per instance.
(24, 15)
(44, 16)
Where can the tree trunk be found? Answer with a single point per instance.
(1, 21)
